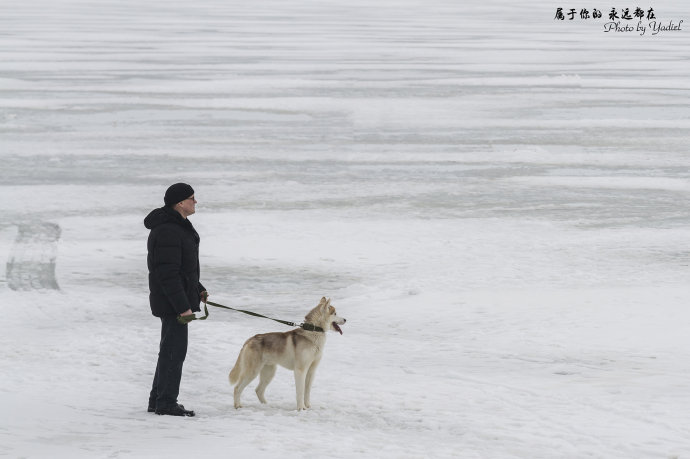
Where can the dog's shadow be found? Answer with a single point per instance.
(249, 412)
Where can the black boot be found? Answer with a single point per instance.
(152, 406)
(177, 410)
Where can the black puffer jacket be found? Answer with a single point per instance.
(173, 261)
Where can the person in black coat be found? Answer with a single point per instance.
(175, 290)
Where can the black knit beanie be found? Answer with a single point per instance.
(177, 193)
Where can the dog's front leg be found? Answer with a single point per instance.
(300, 376)
(308, 382)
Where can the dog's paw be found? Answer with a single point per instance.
(237, 406)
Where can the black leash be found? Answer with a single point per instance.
(186, 319)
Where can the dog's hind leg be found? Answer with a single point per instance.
(265, 377)
(246, 377)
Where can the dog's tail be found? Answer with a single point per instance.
(234, 375)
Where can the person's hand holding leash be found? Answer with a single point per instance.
(188, 315)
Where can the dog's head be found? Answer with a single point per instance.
(325, 316)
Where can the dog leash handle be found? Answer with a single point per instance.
(184, 320)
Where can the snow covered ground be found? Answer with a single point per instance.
(497, 201)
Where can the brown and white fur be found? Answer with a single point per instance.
(298, 350)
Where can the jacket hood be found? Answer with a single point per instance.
(162, 215)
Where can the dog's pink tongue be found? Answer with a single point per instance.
(337, 328)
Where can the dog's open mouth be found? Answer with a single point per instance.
(336, 327)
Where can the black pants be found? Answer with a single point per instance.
(173, 350)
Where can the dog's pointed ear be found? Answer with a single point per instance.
(328, 302)
(323, 301)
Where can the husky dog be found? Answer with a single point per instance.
(298, 350)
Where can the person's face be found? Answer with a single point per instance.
(187, 207)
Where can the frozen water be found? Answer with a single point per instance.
(31, 265)
(497, 202)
